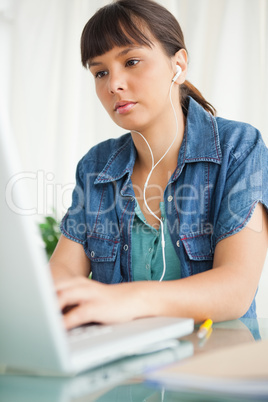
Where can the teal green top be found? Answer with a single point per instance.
(147, 260)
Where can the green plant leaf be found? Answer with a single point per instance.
(50, 234)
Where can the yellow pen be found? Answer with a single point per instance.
(204, 328)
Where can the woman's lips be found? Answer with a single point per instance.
(124, 106)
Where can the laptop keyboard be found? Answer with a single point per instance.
(88, 332)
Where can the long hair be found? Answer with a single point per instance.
(122, 23)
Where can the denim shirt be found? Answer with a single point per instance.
(220, 177)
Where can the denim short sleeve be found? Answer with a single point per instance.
(244, 185)
(73, 224)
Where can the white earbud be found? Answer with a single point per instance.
(178, 72)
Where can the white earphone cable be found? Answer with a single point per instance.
(148, 178)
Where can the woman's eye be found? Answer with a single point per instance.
(100, 74)
(132, 62)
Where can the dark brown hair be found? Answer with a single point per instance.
(120, 24)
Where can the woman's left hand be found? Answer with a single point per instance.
(89, 301)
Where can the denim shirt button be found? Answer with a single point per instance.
(178, 243)
(125, 247)
(170, 198)
(92, 254)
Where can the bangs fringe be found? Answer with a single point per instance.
(109, 27)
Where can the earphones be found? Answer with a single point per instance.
(178, 72)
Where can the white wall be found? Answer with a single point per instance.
(54, 111)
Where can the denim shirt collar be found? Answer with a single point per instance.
(201, 138)
(120, 163)
(200, 143)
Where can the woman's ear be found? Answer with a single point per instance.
(180, 59)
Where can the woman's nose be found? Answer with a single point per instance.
(117, 82)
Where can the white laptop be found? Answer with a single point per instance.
(32, 336)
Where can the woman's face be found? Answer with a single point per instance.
(133, 85)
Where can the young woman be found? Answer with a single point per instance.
(170, 218)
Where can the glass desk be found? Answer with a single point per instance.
(123, 381)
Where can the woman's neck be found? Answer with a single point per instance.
(160, 137)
